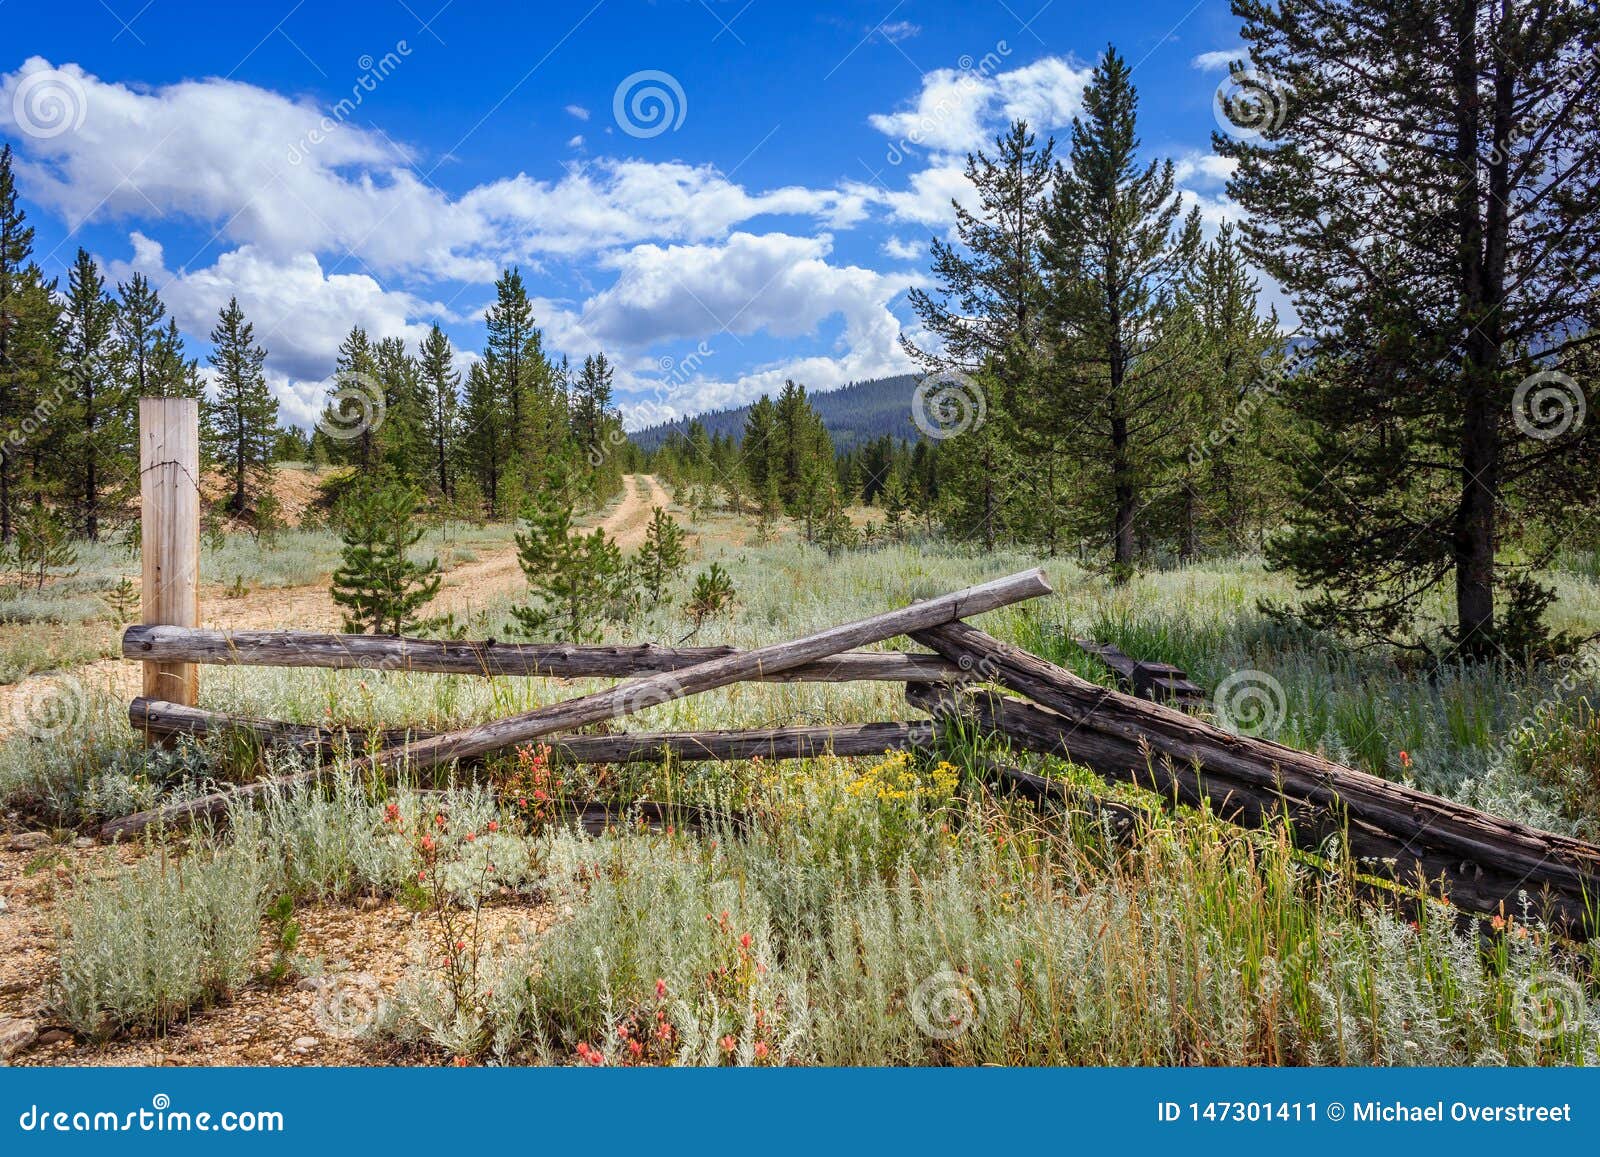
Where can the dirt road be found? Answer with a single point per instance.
(38, 701)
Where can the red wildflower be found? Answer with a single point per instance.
(744, 942)
(636, 1048)
(728, 1043)
(439, 819)
(761, 1050)
(661, 990)
(1405, 761)
(494, 825)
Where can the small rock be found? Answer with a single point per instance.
(4, 907)
(313, 984)
(54, 1036)
(16, 1034)
(304, 1044)
(27, 841)
(83, 842)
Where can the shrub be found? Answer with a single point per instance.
(158, 940)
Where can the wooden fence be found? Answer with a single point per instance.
(1483, 864)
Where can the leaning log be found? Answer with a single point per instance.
(454, 657)
(163, 720)
(638, 694)
(1485, 863)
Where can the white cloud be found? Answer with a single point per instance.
(1204, 168)
(961, 110)
(1219, 60)
(578, 111)
(576, 142)
(902, 250)
(274, 173)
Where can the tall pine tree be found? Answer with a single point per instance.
(245, 425)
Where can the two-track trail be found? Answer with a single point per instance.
(467, 588)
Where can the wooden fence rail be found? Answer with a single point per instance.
(1484, 864)
(542, 660)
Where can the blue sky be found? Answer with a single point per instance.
(718, 194)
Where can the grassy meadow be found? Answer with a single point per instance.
(867, 911)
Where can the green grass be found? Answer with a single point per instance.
(1200, 944)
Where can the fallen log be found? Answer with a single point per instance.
(1486, 863)
(453, 657)
(156, 718)
(639, 694)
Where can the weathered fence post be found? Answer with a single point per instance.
(169, 497)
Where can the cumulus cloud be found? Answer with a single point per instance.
(960, 110)
(902, 250)
(578, 111)
(281, 176)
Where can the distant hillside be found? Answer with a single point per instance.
(854, 414)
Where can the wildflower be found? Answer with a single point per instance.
(439, 819)
(427, 843)
(1405, 761)
(1498, 923)
(422, 877)
(523, 802)
(391, 812)
(744, 942)
(461, 945)
(636, 1048)
(494, 825)
(461, 1062)
(471, 836)
(761, 1050)
(661, 990)
(727, 1043)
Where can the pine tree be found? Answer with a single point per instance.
(440, 384)
(29, 386)
(711, 597)
(1424, 182)
(987, 313)
(756, 445)
(402, 440)
(533, 402)
(245, 421)
(575, 579)
(486, 439)
(350, 423)
(1113, 254)
(95, 429)
(377, 582)
(1228, 483)
(42, 543)
(662, 556)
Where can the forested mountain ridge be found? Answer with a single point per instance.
(853, 415)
